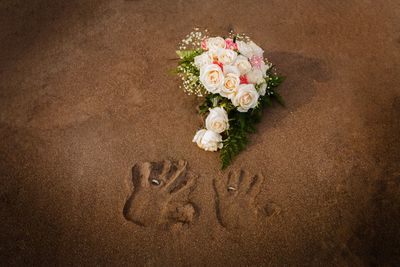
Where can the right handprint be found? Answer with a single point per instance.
(236, 203)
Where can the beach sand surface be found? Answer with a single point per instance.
(89, 111)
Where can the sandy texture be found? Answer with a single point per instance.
(85, 95)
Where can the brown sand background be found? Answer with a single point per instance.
(85, 94)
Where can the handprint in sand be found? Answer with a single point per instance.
(161, 195)
(236, 203)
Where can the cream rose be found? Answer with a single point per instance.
(212, 78)
(226, 56)
(208, 140)
(217, 120)
(203, 59)
(246, 97)
(231, 85)
(255, 76)
(213, 43)
(231, 82)
(243, 64)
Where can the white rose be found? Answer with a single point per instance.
(246, 97)
(231, 81)
(213, 43)
(243, 64)
(212, 78)
(203, 59)
(231, 85)
(208, 140)
(263, 89)
(226, 56)
(255, 76)
(256, 50)
(249, 49)
(244, 49)
(217, 120)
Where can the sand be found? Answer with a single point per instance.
(86, 95)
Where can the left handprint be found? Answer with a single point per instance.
(161, 195)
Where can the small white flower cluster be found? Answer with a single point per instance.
(188, 72)
(193, 39)
(190, 80)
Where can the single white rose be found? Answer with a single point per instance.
(243, 64)
(262, 89)
(226, 56)
(208, 140)
(217, 120)
(203, 59)
(256, 50)
(212, 78)
(199, 136)
(246, 97)
(244, 49)
(213, 43)
(231, 81)
(249, 49)
(231, 85)
(255, 76)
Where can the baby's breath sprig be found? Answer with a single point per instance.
(189, 48)
(189, 73)
(193, 40)
(238, 36)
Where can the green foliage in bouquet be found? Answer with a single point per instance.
(241, 123)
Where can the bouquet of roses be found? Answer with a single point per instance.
(234, 82)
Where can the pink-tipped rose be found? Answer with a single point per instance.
(204, 44)
(230, 44)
